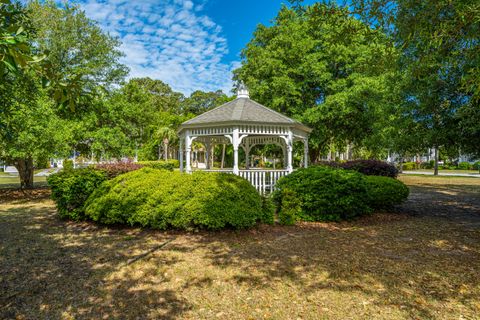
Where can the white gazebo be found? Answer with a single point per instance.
(244, 123)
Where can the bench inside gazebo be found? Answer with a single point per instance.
(244, 123)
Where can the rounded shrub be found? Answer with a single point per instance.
(410, 166)
(385, 192)
(71, 188)
(325, 194)
(464, 166)
(163, 199)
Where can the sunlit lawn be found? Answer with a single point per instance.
(13, 181)
(422, 261)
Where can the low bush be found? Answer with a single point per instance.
(410, 166)
(371, 167)
(161, 199)
(476, 166)
(326, 194)
(113, 170)
(161, 164)
(290, 208)
(71, 188)
(367, 167)
(67, 165)
(385, 192)
(464, 166)
(268, 211)
(427, 165)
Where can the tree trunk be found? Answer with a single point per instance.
(25, 171)
(400, 164)
(159, 152)
(165, 153)
(435, 169)
(223, 156)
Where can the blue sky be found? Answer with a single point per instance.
(189, 44)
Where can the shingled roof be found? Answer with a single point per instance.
(242, 110)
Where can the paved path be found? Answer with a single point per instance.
(453, 174)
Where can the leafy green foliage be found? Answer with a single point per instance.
(385, 192)
(268, 210)
(326, 194)
(290, 208)
(30, 128)
(82, 60)
(15, 34)
(464, 166)
(71, 188)
(161, 199)
(439, 69)
(410, 166)
(324, 67)
(161, 164)
(67, 165)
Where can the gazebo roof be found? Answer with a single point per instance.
(242, 110)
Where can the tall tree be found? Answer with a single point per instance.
(15, 34)
(439, 42)
(324, 67)
(30, 129)
(82, 59)
(200, 101)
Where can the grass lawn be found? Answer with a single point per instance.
(11, 181)
(447, 171)
(421, 261)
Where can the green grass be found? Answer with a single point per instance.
(10, 181)
(448, 171)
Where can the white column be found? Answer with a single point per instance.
(305, 153)
(235, 142)
(290, 151)
(188, 149)
(180, 155)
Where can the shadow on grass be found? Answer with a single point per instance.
(421, 265)
(56, 269)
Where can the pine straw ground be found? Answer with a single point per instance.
(421, 261)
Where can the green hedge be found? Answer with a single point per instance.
(385, 192)
(410, 166)
(71, 188)
(464, 166)
(325, 194)
(161, 164)
(162, 199)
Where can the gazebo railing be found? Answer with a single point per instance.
(263, 180)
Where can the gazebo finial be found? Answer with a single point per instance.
(242, 91)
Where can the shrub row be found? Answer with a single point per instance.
(321, 193)
(367, 167)
(161, 164)
(161, 200)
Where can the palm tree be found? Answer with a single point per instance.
(165, 135)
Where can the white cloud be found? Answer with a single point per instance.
(168, 40)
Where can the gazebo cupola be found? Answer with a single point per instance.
(243, 123)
